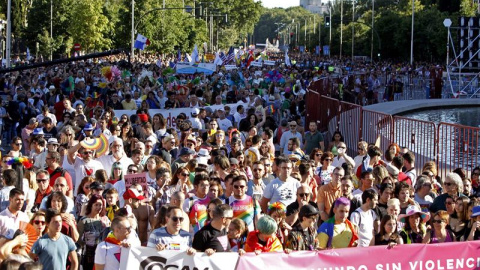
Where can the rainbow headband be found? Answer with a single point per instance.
(277, 205)
(20, 160)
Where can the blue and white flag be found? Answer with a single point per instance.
(28, 54)
(141, 42)
(218, 60)
(287, 59)
(194, 55)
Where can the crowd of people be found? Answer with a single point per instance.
(254, 179)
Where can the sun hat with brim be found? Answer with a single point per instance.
(412, 210)
(475, 211)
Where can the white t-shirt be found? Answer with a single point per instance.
(224, 124)
(83, 169)
(107, 253)
(364, 222)
(279, 191)
(108, 160)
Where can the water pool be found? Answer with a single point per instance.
(468, 116)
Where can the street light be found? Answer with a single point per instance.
(411, 37)
(447, 23)
(9, 31)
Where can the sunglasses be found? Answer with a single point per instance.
(128, 229)
(303, 194)
(449, 184)
(132, 171)
(18, 144)
(328, 159)
(437, 221)
(238, 187)
(38, 222)
(42, 180)
(176, 219)
(88, 152)
(185, 174)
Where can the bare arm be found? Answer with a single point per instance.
(264, 204)
(71, 152)
(73, 260)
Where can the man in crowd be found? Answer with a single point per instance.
(196, 206)
(282, 189)
(364, 218)
(11, 217)
(287, 135)
(9, 179)
(172, 237)
(327, 194)
(304, 195)
(313, 138)
(53, 168)
(244, 206)
(213, 237)
(53, 248)
(107, 254)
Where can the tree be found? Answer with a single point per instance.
(89, 25)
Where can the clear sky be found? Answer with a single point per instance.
(280, 3)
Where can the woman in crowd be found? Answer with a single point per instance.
(58, 201)
(337, 138)
(237, 235)
(439, 233)
(152, 165)
(278, 212)
(264, 239)
(83, 194)
(415, 225)
(181, 182)
(326, 170)
(388, 234)
(116, 174)
(215, 190)
(39, 223)
(362, 153)
(90, 228)
(459, 219)
(126, 134)
(474, 232)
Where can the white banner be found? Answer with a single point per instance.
(207, 68)
(145, 258)
(256, 64)
(230, 67)
(171, 114)
(269, 62)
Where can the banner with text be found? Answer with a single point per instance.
(171, 114)
(207, 68)
(144, 258)
(137, 178)
(445, 256)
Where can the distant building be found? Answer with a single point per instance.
(315, 6)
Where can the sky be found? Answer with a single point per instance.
(280, 3)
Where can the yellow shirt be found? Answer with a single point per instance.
(342, 235)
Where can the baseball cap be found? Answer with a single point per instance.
(38, 131)
(307, 210)
(52, 141)
(132, 194)
(88, 127)
(186, 151)
(195, 111)
(97, 185)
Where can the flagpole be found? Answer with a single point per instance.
(133, 30)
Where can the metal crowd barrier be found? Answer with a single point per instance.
(449, 145)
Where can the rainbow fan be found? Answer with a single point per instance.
(30, 232)
(99, 144)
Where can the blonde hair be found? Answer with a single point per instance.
(393, 201)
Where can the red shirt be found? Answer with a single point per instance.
(59, 171)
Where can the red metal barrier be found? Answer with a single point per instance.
(457, 147)
(349, 125)
(418, 136)
(328, 109)
(375, 126)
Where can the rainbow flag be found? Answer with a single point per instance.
(174, 246)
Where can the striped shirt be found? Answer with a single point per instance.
(181, 241)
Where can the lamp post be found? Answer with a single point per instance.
(133, 30)
(51, 29)
(411, 37)
(373, 21)
(9, 31)
(341, 27)
(353, 29)
(447, 23)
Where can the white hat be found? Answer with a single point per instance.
(202, 161)
(51, 87)
(195, 111)
(203, 153)
(52, 141)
